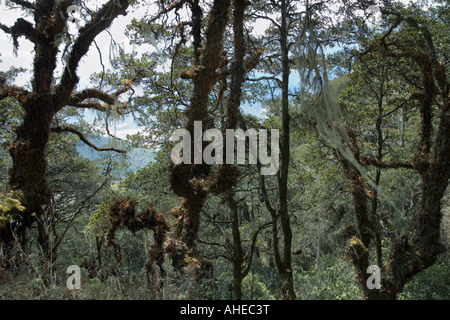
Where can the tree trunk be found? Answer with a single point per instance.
(286, 267)
(238, 254)
(29, 167)
(28, 173)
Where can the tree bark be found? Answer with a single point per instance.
(187, 180)
(286, 266)
(28, 173)
(30, 164)
(238, 254)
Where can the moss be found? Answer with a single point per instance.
(357, 250)
(99, 221)
(355, 241)
(190, 260)
(9, 206)
(4, 219)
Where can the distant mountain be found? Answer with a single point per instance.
(138, 158)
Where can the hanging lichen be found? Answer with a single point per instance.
(329, 123)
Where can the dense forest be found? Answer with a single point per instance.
(284, 149)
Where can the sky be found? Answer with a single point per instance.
(91, 61)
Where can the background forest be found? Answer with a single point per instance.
(358, 90)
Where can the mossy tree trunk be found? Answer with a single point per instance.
(188, 180)
(28, 173)
(408, 255)
(193, 182)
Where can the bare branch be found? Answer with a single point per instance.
(83, 138)
(265, 78)
(258, 16)
(24, 4)
(172, 6)
(384, 164)
(209, 243)
(251, 250)
(107, 129)
(101, 63)
(61, 236)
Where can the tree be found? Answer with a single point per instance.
(408, 40)
(76, 184)
(241, 260)
(236, 218)
(213, 72)
(48, 97)
(289, 27)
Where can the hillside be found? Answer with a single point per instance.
(138, 158)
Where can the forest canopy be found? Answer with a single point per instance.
(225, 149)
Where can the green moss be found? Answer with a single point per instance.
(99, 222)
(4, 219)
(356, 243)
(9, 206)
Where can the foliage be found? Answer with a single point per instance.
(254, 289)
(431, 284)
(344, 77)
(98, 221)
(333, 280)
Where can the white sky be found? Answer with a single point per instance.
(91, 62)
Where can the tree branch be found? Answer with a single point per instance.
(100, 21)
(384, 164)
(90, 105)
(237, 66)
(278, 81)
(249, 255)
(172, 6)
(12, 91)
(209, 243)
(258, 16)
(78, 98)
(61, 236)
(21, 27)
(107, 129)
(24, 4)
(425, 32)
(83, 138)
